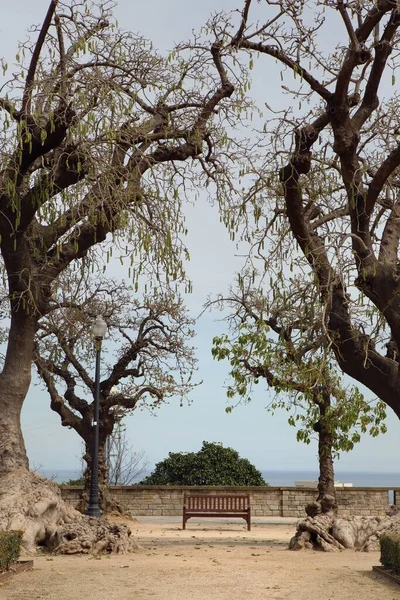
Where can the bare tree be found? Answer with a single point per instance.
(125, 465)
(146, 360)
(96, 132)
(330, 173)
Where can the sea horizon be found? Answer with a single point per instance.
(277, 478)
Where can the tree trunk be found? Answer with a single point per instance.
(106, 501)
(326, 479)
(316, 529)
(28, 501)
(322, 528)
(14, 384)
(326, 500)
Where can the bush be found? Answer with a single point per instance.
(10, 548)
(212, 465)
(74, 482)
(390, 552)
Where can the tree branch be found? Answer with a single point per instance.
(68, 417)
(27, 95)
(296, 67)
(388, 251)
(386, 168)
(10, 108)
(370, 99)
(380, 8)
(354, 41)
(130, 402)
(245, 14)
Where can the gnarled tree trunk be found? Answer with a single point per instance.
(28, 501)
(14, 384)
(323, 510)
(322, 528)
(326, 479)
(326, 500)
(33, 504)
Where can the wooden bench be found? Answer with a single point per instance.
(202, 505)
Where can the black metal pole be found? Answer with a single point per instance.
(94, 506)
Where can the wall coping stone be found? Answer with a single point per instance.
(232, 488)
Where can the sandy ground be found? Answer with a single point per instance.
(210, 560)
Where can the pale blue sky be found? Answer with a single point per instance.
(267, 441)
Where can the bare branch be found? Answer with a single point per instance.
(245, 14)
(27, 95)
(296, 67)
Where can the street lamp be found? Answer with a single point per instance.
(99, 329)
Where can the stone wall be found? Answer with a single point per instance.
(266, 501)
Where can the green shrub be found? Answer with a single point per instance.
(212, 465)
(10, 548)
(74, 482)
(390, 552)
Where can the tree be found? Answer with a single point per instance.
(125, 465)
(329, 177)
(146, 360)
(212, 465)
(324, 185)
(271, 340)
(97, 128)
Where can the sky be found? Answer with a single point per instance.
(268, 441)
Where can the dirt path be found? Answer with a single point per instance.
(207, 561)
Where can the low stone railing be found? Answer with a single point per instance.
(266, 501)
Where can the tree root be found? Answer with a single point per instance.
(91, 536)
(33, 504)
(329, 532)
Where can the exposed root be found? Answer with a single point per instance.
(91, 536)
(314, 532)
(34, 504)
(363, 533)
(326, 531)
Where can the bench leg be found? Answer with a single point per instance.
(184, 519)
(248, 523)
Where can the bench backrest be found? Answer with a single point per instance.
(210, 503)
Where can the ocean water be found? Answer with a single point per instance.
(357, 478)
(61, 475)
(277, 478)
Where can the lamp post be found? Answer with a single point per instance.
(99, 330)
